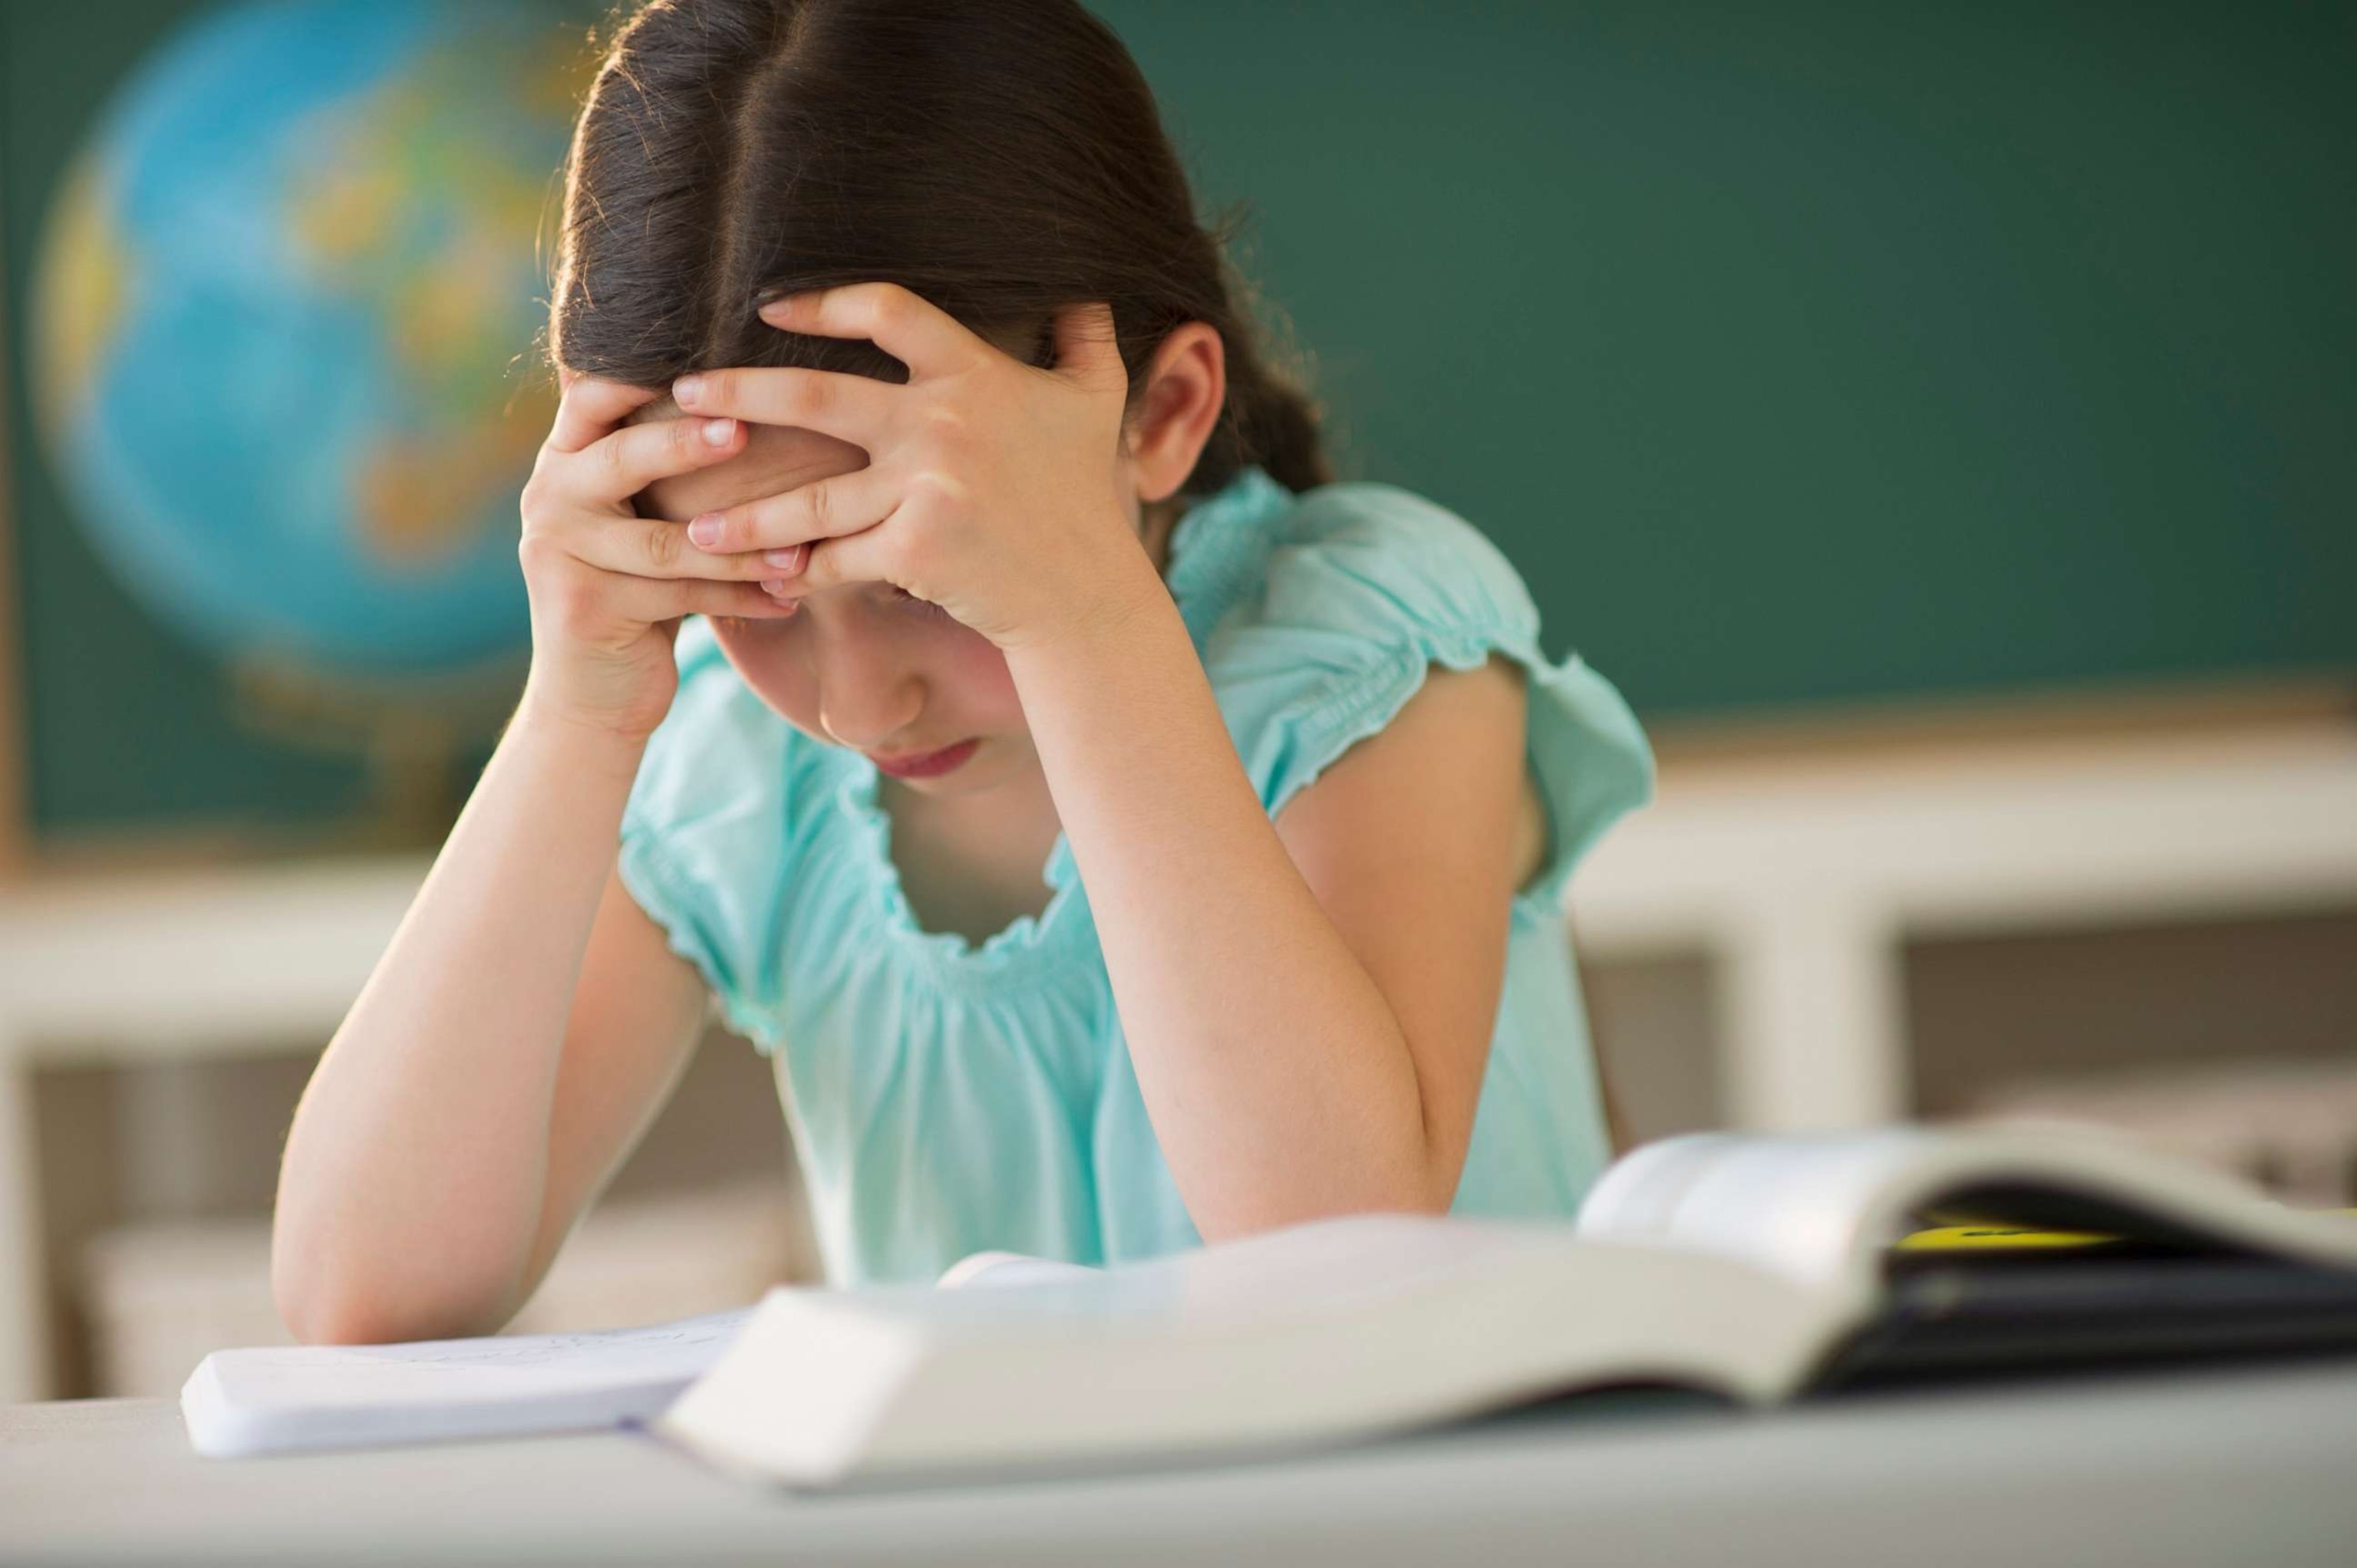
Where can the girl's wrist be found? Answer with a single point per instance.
(1095, 624)
(586, 741)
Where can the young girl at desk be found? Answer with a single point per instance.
(920, 513)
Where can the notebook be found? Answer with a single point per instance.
(1756, 1266)
(286, 1399)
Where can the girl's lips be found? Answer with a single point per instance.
(926, 764)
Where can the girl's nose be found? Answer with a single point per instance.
(857, 723)
(866, 694)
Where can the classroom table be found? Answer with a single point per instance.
(2216, 1465)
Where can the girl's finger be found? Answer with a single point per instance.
(651, 547)
(612, 470)
(591, 407)
(850, 408)
(823, 508)
(904, 324)
(866, 557)
(1088, 345)
(651, 599)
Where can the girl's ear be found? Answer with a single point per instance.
(1176, 410)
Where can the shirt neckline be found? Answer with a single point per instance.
(1204, 562)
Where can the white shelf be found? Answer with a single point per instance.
(1803, 877)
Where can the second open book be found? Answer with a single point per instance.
(1752, 1265)
(1755, 1265)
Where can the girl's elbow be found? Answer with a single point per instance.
(345, 1316)
(324, 1306)
(1406, 1187)
(316, 1318)
(324, 1299)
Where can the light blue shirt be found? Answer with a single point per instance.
(946, 1097)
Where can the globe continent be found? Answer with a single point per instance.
(286, 303)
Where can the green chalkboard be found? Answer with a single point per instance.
(1797, 353)
(1830, 350)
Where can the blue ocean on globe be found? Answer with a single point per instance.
(286, 317)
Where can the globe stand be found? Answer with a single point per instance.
(411, 735)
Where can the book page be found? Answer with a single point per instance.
(999, 1271)
(1803, 1205)
(1821, 1208)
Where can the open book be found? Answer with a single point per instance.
(1758, 1266)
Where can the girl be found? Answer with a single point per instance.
(919, 514)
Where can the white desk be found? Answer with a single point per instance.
(2246, 1468)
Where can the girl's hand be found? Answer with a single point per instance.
(993, 487)
(608, 586)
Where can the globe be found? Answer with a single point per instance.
(284, 314)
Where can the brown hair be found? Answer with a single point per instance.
(999, 157)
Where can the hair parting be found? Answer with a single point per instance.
(1001, 159)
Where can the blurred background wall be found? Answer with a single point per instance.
(1937, 419)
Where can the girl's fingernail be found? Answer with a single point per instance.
(773, 586)
(686, 390)
(789, 560)
(704, 531)
(719, 431)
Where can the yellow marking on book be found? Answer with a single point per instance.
(1952, 1238)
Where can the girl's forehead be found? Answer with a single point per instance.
(775, 458)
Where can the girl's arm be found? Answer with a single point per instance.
(508, 1049)
(1308, 1005)
(527, 1018)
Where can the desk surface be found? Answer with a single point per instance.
(2250, 1465)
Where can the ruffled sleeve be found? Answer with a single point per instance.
(1370, 586)
(707, 836)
